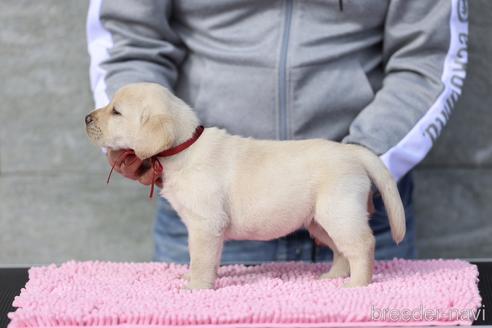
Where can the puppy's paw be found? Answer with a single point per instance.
(334, 274)
(194, 285)
(354, 284)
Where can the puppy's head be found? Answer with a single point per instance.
(139, 117)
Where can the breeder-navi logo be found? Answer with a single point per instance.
(426, 314)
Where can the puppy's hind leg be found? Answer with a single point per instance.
(344, 215)
(340, 266)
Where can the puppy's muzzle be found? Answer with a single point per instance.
(93, 131)
(89, 119)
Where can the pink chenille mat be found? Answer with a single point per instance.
(101, 294)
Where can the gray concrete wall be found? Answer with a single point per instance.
(54, 202)
(453, 191)
(55, 206)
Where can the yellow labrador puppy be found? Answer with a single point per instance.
(228, 187)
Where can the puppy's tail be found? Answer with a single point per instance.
(386, 185)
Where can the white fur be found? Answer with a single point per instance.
(229, 187)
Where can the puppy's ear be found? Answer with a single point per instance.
(154, 135)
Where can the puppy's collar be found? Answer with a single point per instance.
(157, 168)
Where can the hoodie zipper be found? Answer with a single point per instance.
(282, 73)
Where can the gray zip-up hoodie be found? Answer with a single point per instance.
(381, 73)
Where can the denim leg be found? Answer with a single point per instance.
(385, 246)
(170, 235)
(296, 246)
(250, 251)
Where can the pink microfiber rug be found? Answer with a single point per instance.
(269, 295)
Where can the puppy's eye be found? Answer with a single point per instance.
(115, 112)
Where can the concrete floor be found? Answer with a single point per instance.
(55, 205)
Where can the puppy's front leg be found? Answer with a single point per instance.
(205, 258)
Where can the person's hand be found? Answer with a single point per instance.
(132, 167)
(370, 209)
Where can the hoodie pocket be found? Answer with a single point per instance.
(326, 98)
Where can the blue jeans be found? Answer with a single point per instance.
(171, 238)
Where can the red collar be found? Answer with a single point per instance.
(157, 167)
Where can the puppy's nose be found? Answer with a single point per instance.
(88, 119)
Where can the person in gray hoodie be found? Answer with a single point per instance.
(384, 74)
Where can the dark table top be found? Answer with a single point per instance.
(13, 279)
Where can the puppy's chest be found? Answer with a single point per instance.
(175, 195)
(180, 204)
(192, 197)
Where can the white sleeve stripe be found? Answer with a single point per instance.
(98, 42)
(412, 149)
